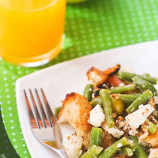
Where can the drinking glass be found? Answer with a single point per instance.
(31, 31)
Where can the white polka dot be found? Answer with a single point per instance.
(13, 77)
(8, 102)
(9, 108)
(6, 90)
(6, 84)
(10, 114)
(4, 72)
(8, 96)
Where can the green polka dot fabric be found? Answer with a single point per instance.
(91, 27)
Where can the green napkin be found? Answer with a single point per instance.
(92, 26)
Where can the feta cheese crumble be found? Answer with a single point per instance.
(139, 116)
(97, 116)
(153, 153)
(73, 145)
(113, 131)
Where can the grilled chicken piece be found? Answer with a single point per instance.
(152, 139)
(75, 110)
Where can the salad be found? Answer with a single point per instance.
(116, 117)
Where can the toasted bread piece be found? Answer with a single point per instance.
(73, 146)
(96, 76)
(107, 139)
(152, 139)
(75, 110)
(112, 70)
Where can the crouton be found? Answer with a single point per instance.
(73, 145)
(107, 139)
(96, 76)
(113, 70)
(152, 139)
(76, 110)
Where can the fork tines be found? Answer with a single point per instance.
(40, 116)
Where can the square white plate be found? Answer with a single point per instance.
(70, 76)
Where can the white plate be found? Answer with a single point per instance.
(70, 76)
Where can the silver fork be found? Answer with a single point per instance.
(44, 123)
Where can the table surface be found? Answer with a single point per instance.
(91, 27)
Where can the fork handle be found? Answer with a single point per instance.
(62, 153)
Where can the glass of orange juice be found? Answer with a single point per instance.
(31, 31)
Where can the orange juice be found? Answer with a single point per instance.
(31, 31)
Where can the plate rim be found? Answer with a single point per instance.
(56, 65)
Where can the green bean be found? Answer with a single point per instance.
(146, 74)
(151, 127)
(95, 136)
(93, 152)
(107, 105)
(129, 76)
(117, 105)
(108, 152)
(126, 98)
(122, 89)
(129, 98)
(139, 152)
(126, 76)
(96, 101)
(56, 111)
(143, 85)
(88, 91)
(127, 151)
(142, 99)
